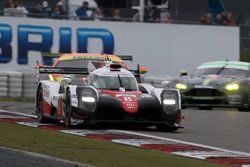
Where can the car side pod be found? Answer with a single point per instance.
(171, 101)
(87, 99)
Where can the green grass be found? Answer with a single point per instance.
(90, 151)
(17, 99)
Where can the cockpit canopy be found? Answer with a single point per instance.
(114, 82)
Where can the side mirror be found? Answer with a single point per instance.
(38, 65)
(67, 78)
(143, 70)
(183, 73)
(165, 84)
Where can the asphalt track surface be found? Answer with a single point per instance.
(223, 128)
(16, 158)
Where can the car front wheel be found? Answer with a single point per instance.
(67, 109)
(39, 106)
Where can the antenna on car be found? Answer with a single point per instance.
(139, 73)
(38, 71)
(108, 58)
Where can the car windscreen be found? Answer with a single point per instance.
(115, 82)
(220, 71)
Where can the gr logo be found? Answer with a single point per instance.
(46, 34)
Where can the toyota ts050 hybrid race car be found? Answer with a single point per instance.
(216, 84)
(109, 94)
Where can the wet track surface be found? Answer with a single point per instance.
(224, 128)
(14, 158)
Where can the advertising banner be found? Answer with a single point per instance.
(163, 48)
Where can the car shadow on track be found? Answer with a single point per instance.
(118, 127)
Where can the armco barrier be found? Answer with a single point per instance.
(23, 84)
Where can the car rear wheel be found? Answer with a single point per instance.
(246, 109)
(67, 109)
(39, 106)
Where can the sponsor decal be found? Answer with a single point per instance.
(129, 102)
(44, 41)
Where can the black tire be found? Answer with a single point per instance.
(244, 109)
(183, 107)
(39, 106)
(67, 109)
(165, 128)
(205, 108)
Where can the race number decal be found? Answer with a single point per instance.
(129, 102)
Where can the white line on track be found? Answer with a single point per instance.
(183, 142)
(27, 115)
(157, 137)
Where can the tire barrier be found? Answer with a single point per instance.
(15, 84)
(29, 84)
(3, 84)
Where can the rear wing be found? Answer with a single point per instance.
(51, 55)
(137, 73)
(59, 70)
(57, 55)
(125, 57)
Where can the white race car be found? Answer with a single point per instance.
(110, 94)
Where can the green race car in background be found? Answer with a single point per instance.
(216, 84)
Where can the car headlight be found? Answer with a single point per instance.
(88, 99)
(181, 86)
(170, 100)
(232, 86)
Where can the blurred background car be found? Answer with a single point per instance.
(216, 84)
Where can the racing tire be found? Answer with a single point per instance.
(205, 108)
(39, 106)
(243, 109)
(67, 110)
(165, 128)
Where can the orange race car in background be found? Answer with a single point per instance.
(82, 60)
